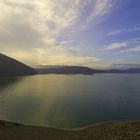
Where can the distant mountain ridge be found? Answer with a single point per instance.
(66, 70)
(12, 67)
(130, 70)
(81, 70)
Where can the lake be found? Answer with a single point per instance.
(70, 101)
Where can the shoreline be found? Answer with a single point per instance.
(118, 130)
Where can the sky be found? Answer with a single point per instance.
(94, 33)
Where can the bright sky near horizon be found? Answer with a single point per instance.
(95, 33)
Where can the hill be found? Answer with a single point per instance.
(80, 70)
(66, 70)
(12, 67)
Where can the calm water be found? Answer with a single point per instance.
(70, 101)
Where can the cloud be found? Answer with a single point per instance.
(132, 46)
(63, 56)
(101, 7)
(56, 55)
(98, 9)
(124, 31)
(70, 60)
(135, 49)
(114, 46)
(31, 28)
(125, 66)
(134, 41)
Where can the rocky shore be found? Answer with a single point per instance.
(108, 131)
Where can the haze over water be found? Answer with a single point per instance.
(70, 101)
